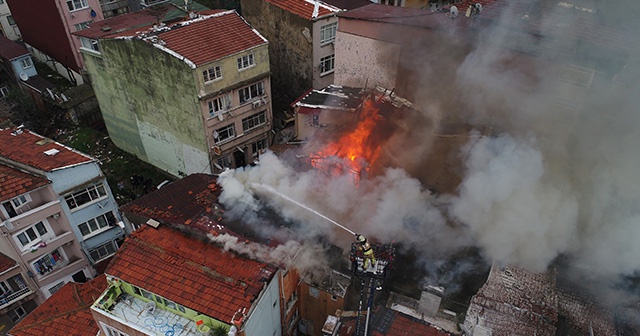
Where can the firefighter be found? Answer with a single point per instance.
(367, 252)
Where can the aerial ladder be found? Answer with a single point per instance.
(371, 264)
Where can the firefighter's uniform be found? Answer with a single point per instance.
(367, 252)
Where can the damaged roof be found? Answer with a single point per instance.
(306, 9)
(191, 201)
(331, 97)
(66, 312)
(15, 182)
(26, 147)
(515, 302)
(190, 271)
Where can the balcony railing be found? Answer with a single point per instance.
(9, 299)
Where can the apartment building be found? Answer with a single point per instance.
(79, 197)
(190, 94)
(46, 28)
(36, 233)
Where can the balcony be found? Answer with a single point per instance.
(15, 296)
(42, 211)
(145, 316)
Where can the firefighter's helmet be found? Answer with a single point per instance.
(361, 239)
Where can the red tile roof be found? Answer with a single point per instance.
(6, 262)
(190, 271)
(29, 148)
(307, 9)
(15, 182)
(190, 201)
(203, 39)
(10, 49)
(67, 312)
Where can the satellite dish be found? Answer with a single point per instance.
(93, 13)
(216, 150)
(24, 76)
(453, 12)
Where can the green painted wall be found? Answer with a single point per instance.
(149, 102)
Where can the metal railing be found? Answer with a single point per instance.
(12, 297)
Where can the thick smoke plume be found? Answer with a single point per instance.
(555, 176)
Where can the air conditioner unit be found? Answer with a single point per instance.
(263, 101)
(256, 104)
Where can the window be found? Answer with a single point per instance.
(327, 64)
(89, 44)
(251, 91)
(254, 121)
(170, 304)
(212, 73)
(56, 288)
(111, 331)
(245, 61)
(314, 292)
(86, 195)
(219, 104)
(4, 92)
(11, 20)
(103, 251)
(328, 33)
(224, 133)
(26, 63)
(32, 234)
(259, 146)
(77, 4)
(20, 201)
(82, 25)
(223, 162)
(17, 314)
(95, 224)
(48, 262)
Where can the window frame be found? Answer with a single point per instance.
(35, 232)
(254, 121)
(246, 61)
(114, 246)
(255, 146)
(82, 25)
(223, 104)
(330, 59)
(93, 187)
(230, 130)
(223, 162)
(99, 227)
(72, 3)
(250, 92)
(26, 63)
(216, 70)
(15, 311)
(4, 91)
(331, 28)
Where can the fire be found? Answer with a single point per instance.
(358, 147)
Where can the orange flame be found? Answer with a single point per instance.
(359, 145)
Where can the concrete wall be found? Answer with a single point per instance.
(290, 48)
(265, 318)
(320, 51)
(150, 105)
(315, 310)
(364, 61)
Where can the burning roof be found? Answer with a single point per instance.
(515, 302)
